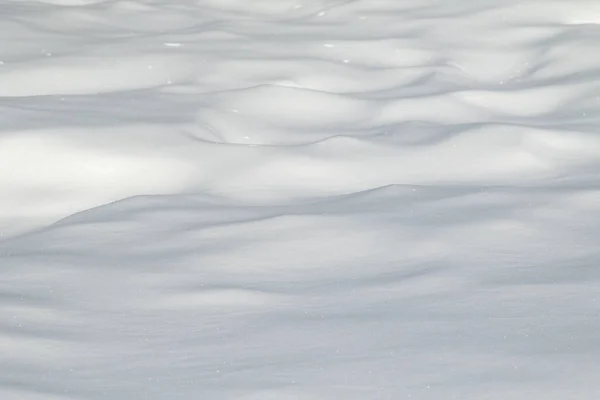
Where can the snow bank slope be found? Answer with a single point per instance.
(299, 199)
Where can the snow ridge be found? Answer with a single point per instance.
(299, 199)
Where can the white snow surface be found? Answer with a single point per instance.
(299, 199)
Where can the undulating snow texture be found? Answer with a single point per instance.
(299, 199)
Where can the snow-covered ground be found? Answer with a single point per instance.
(299, 199)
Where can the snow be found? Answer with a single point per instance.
(299, 199)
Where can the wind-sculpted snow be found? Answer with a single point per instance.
(315, 200)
